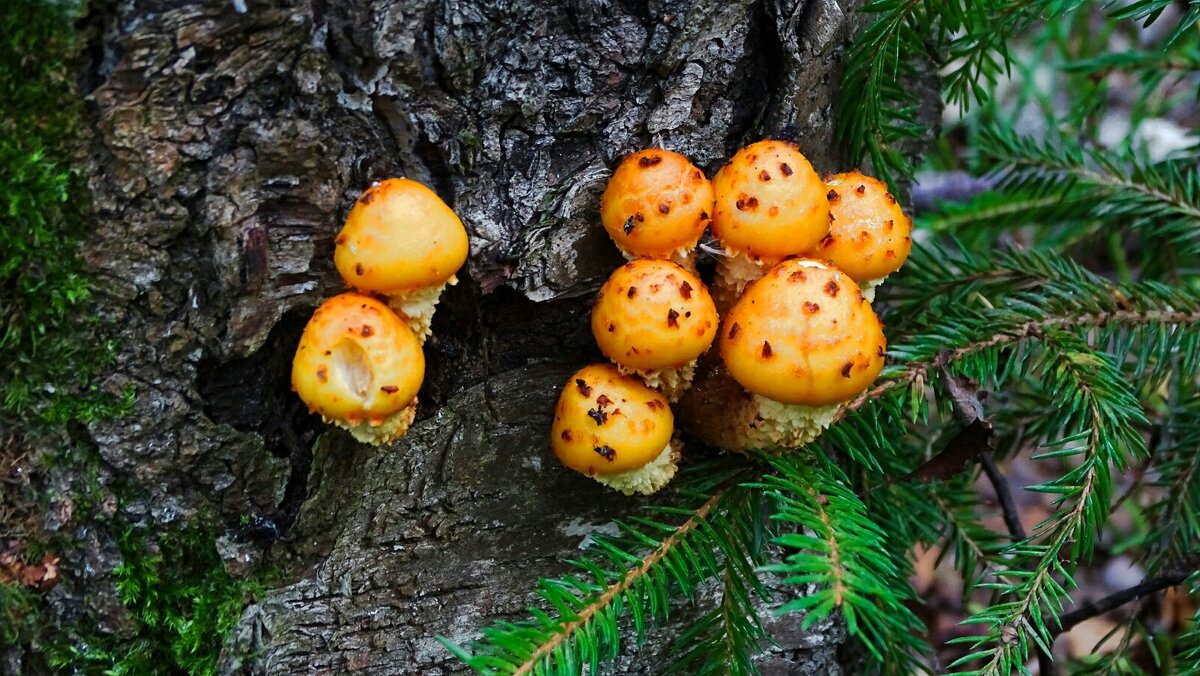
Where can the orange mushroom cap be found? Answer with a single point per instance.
(357, 361)
(656, 203)
(769, 201)
(653, 314)
(870, 236)
(803, 334)
(607, 422)
(399, 237)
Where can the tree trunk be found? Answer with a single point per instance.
(226, 150)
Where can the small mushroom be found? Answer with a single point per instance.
(657, 205)
(809, 348)
(871, 236)
(619, 433)
(360, 366)
(769, 204)
(825, 347)
(660, 332)
(402, 241)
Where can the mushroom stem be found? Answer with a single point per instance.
(416, 308)
(684, 257)
(868, 287)
(382, 431)
(724, 415)
(650, 477)
(735, 271)
(672, 382)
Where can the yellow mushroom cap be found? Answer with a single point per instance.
(769, 201)
(653, 314)
(803, 334)
(357, 361)
(870, 237)
(400, 236)
(656, 203)
(607, 422)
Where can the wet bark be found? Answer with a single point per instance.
(227, 147)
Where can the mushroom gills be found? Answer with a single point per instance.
(649, 477)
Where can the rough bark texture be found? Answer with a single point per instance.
(227, 149)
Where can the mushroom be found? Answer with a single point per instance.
(801, 341)
(770, 204)
(657, 205)
(359, 366)
(402, 241)
(654, 319)
(616, 430)
(870, 236)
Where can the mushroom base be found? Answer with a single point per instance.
(724, 415)
(684, 257)
(384, 431)
(735, 271)
(648, 478)
(417, 307)
(672, 382)
(789, 426)
(868, 287)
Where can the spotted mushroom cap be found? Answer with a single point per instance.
(653, 314)
(870, 236)
(769, 202)
(399, 237)
(607, 422)
(357, 361)
(656, 203)
(803, 334)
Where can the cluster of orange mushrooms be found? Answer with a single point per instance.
(798, 262)
(360, 362)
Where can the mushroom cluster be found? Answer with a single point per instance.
(360, 362)
(798, 262)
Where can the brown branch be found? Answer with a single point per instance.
(618, 588)
(1008, 507)
(1087, 611)
(1176, 576)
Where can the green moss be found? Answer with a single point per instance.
(50, 340)
(183, 601)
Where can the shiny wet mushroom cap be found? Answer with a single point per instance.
(770, 202)
(614, 429)
(653, 314)
(870, 236)
(360, 366)
(656, 204)
(803, 334)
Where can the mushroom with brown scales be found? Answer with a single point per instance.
(870, 236)
(614, 429)
(360, 366)
(770, 204)
(800, 342)
(657, 205)
(400, 240)
(654, 319)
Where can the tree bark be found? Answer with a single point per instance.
(226, 150)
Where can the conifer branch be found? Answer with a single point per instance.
(585, 613)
